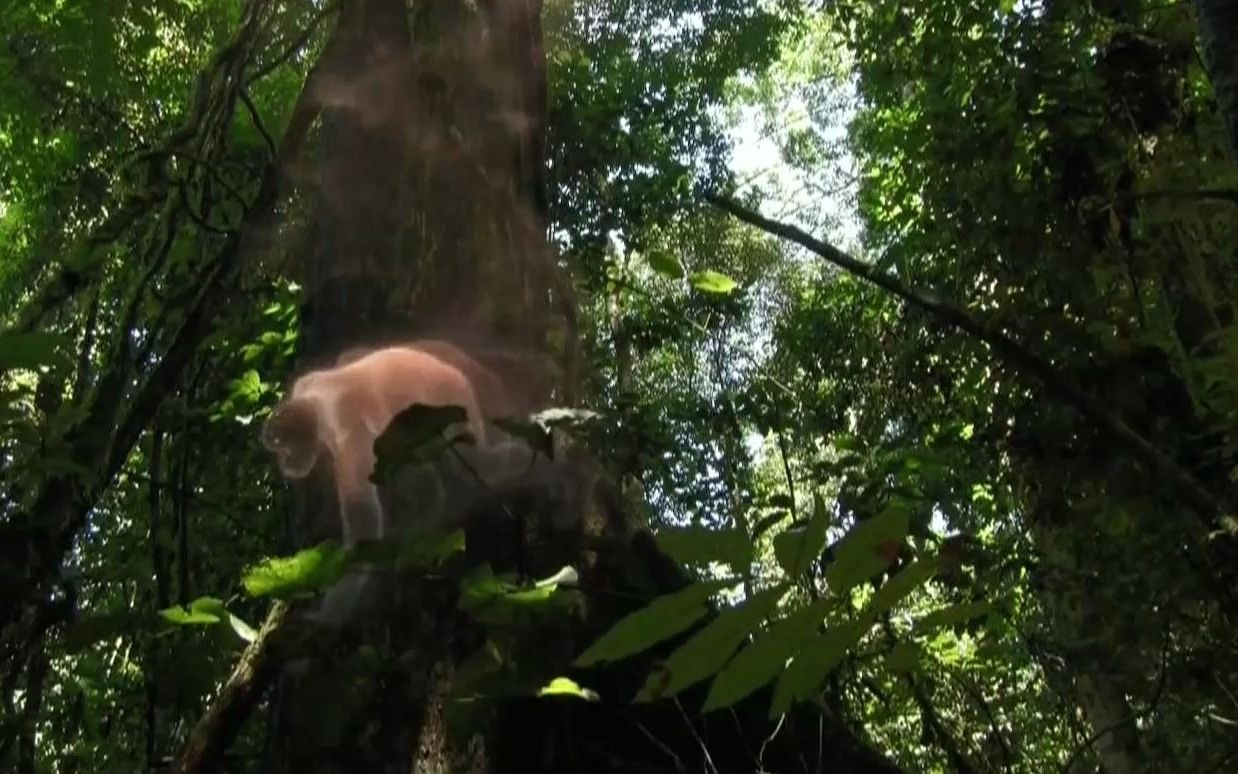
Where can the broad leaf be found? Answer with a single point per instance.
(802, 680)
(709, 649)
(182, 616)
(867, 549)
(712, 282)
(427, 550)
(797, 548)
(700, 546)
(567, 577)
(665, 264)
(203, 611)
(497, 602)
(766, 657)
(661, 619)
(305, 572)
(906, 580)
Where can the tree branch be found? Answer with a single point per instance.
(1009, 351)
(254, 671)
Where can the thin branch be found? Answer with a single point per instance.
(257, 119)
(1009, 351)
(297, 45)
(254, 671)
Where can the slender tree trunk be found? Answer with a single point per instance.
(1218, 34)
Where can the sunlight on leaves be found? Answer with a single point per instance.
(712, 282)
(302, 573)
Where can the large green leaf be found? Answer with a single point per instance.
(905, 581)
(802, 679)
(496, 602)
(303, 573)
(712, 282)
(662, 618)
(867, 549)
(797, 548)
(665, 264)
(903, 657)
(700, 546)
(766, 657)
(204, 611)
(707, 651)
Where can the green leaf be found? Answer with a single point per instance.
(700, 546)
(802, 680)
(954, 614)
(798, 547)
(712, 282)
(867, 549)
(709, 649)
(32, 350)
(665, 264)
(242, 629)
(906, 580)
(766, 657)
(497, 602)
(305, 572)
(203, 611)
(563, 686)
(182, 617)
(661, 619)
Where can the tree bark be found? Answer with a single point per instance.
(1218, 34)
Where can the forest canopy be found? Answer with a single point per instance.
(585, 385)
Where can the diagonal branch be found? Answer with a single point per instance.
(1009, 351)
(254, 671)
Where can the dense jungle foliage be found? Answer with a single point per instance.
(905, 330)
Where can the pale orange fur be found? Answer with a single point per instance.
(350, 406)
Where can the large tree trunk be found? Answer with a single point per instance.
(430, 221)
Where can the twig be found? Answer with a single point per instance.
(257, 119)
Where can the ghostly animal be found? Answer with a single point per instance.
(342, 410)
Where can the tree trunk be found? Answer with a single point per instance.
(430, 221)
(1218, 34)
